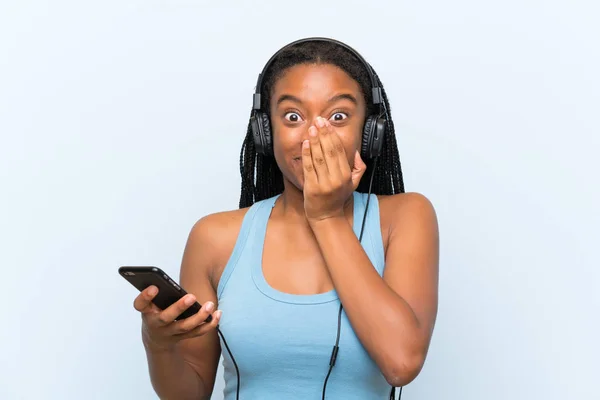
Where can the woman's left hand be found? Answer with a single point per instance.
(328, 177)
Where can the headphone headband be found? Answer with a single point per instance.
(375, 89)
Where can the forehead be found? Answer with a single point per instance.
(316, 81)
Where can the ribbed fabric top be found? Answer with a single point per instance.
(282, 342)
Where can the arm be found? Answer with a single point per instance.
(187, 370)
(393, 316)
(172, 377)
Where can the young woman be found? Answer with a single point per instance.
(318, 288)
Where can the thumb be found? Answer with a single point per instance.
(358, 169)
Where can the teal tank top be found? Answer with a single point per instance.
(282, 342)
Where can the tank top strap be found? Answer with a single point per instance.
(249, 232)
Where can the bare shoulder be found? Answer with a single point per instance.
(404, 212)
(217, 229)
(213, 238)
(401, 206)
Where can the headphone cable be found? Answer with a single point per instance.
(336, 348)
(334, 351)
(237, 371)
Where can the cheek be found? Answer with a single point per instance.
(287, 142)
(285, 139)
(352, 142)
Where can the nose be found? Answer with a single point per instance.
(304, 133)
(312, 122)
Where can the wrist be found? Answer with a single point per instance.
(328, 222)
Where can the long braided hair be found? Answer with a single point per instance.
(262, 178)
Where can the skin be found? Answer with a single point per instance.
(393, 315)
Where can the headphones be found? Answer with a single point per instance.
(374, 129)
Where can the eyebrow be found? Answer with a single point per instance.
(343, 96)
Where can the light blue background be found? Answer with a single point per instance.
(106, 114)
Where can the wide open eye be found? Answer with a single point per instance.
(339, 116)
(292, 116)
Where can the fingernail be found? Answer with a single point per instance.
(306, 144)
(152, 291)
(218, 314)
(320, 122)
(189, 300)
(210, 306)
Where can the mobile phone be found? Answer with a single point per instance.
(169, 292)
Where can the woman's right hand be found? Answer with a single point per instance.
(160, 331)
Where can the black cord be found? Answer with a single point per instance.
(336, 348)
(237, 371)
(362, 227)
(334, 352)
(393, 393)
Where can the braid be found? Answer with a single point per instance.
(262, 178)
(388, 172)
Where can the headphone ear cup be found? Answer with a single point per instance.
(366, 137)
(261, 132)
(267, 138)
(373, 135)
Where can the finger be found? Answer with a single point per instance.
(316, 152)
(310, 175)
(204, 328)
(193, 321)
(326, 135)
(338, 145)
(143, 302)
(168, 315)
(345, 166)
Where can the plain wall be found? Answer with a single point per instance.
(121, 124)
